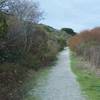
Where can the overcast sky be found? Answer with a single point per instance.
(76, 14)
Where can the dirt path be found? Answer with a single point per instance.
(57, 83)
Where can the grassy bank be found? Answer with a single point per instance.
(89, 82)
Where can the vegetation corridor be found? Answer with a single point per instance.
(56, 83)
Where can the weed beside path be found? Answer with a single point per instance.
(89, 82)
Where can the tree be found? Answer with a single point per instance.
(69, 31)
(3, 26)
(2, 3)
(26, 10)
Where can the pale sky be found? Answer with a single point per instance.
(76, 14)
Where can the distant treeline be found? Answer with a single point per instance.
(27, 43)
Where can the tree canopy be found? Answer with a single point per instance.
(69, 31)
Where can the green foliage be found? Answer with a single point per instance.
(3, 26)
(48, 28)
(62, 42)
(69, 31)
(25, 46)
(24, 38)
(89, 82)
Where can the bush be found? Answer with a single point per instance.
(87, 44)
(3, 26)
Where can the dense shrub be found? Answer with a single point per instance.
(3, 26)
(87, 44)
(24, 46)
(30, 44)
